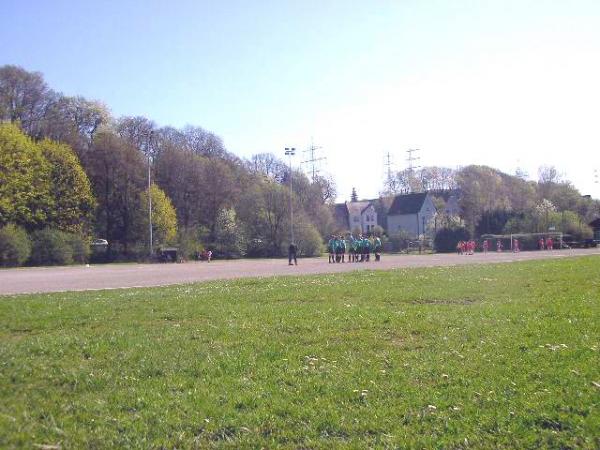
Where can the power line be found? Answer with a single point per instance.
(391, 182)
(312, 160)
(411, 159)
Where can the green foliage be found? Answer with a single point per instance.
(51, 247)
(229, 239)
(446, 239)
(15, 245)
(71, 191)
(117, 173)
(164, 218)
(545, 217)
(24, 180)
(308, 239)
(80, 247)
(495, 356)
(56, 247)
(399, 241)
(189, 242)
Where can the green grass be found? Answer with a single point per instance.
(473, 356)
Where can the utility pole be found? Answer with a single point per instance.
(411, 159)
(312, 159)
(291, 151)
(390, 181)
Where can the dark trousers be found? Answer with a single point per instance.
(292, 256)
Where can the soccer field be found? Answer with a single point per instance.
(481, 356)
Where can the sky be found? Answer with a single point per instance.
(506, 83)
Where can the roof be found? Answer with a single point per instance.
(340, 215)
(357, 208)
(407, 204)
(595, 223)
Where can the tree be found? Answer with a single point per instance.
(164, 217)
(179, 173)
(264, 210)
(70, 189)
(15, 245)
(117, 173)
(139, 132)
(24, 180)
(482, 189)
(229, 238)
(548, 174)
(23, 97)
(204, 143)
(267, 165)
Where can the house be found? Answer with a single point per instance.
(412, 214)
(355, 215)
(447, 202)
(596, 227)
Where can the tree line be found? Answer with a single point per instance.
(493, 202)
(70, 171)
(68, 165)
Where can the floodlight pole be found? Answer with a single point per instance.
(291, 151)
(149, 207)
(149, 197)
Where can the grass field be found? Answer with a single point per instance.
(463, 357)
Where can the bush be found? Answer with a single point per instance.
(229, 240)
(258, 248)
(308, 240)
(15, 246)
(446, 239)
(398, 241)
(55, 247)
(377, 231)
(80, 246)
(189, 243)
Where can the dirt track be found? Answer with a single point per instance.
(79, 278)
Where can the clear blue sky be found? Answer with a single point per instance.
(506, 83)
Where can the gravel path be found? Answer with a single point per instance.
(110, 276)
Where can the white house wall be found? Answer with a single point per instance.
(413, 223)
(367, 225)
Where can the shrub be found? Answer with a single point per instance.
(446, 239)
(80, 247)
(398, 241)
(308, 240)
(377, 231)
(54, 247)
(258, 248)
(188, 242)
(15, 245)
(229, 240)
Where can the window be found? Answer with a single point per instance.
(356, 219)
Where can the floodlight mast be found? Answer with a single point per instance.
(291, 151)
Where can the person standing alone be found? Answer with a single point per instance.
(292, 250)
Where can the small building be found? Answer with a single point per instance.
(450, 202)
(596, 227)
(356, 215)
(413, 214)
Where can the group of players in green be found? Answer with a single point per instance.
(359, 249)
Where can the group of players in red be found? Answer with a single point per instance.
(469, 247)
